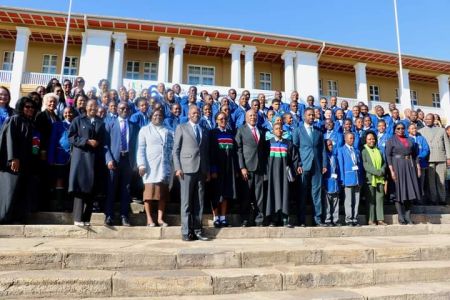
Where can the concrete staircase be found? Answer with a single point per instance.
(370, 262)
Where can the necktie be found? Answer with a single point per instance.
(310, 131)
(123, 136)
(255, 136)
(197, 134)
(352, 154)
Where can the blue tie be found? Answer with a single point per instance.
(197, 134)
(123, 136)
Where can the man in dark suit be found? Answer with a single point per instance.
(120, 158)
(252, 155)
(191, 164)
(309, 141)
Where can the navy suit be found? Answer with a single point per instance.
(312, 159)
(124, 161)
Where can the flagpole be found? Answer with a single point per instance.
(66, 39)
(399, 52)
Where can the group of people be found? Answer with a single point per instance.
(66, 143)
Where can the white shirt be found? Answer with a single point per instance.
(199, 129)
(251, 129)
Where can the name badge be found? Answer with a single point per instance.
(334, 176)
(355, 168)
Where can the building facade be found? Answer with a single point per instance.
(136, 53)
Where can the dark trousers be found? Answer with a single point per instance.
(252, 208)
(311, 184)
(404, 212)
(332, 207)
(192, 189)
(119, 186)
(82, 207)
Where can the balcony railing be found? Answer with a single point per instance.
(43, 78)
(5, 76)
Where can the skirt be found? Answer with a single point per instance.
(156, 191)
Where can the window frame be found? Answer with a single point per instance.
(372, 95)
(49, 67)
(133, 74)
(70, 67)
(414, 100)
(149, 75)
(264, 82)
(333, 91)
(11, 63)
(201, 76)
(435, 100)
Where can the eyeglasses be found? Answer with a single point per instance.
(399, 128)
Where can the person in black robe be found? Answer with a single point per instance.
(401, 156)
(223, 169)
(283, 160)
(86, 135)
(19, 146)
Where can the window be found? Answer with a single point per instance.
(201, 75)
(332, 88)
(49, 64)
(132, 70)
(320, 88)
(436, 101)
(8, 58)
(413, 97)
(70, 65)
(150, 71)
(265, 81)
(374, 93)
(397, 98)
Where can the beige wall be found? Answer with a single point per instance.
(424, 91)
(140, 56)
(345, 82)
(276, 71)
(36, 51)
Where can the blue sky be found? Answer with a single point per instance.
(424, 25)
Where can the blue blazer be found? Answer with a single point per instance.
(423, 150)
(331, 184)
(312, 151)
(381, 143)
(349, 177)
(140, 118)
(238, 117)
(112, 142)
(336, 137)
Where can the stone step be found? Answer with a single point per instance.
(95, 283)
(120, 254)
(174, 232)
(139, 219)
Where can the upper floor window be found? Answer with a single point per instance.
(320, 88)
(265, 81)
(332, 88)
(201, 75)
(49, 64)
(70, 65)
(150, 71)
(8, 59)
(132, 71)
(436, 100)
(413, 97)
(374, 93)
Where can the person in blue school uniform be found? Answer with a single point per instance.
(423, 155)
(207, 121)
(331, 186)
(141, 116)
(333, 134)
(350, 172)
(238, 115)
(175, 118)
(382, 137)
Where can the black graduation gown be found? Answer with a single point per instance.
(282, 154)
(15, 143)
(407, 185)
(86, 163)
(224, 163)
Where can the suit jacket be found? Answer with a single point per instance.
(438, 141)
(251, 156)
(188, 155)
(312, 152)
(113, 143)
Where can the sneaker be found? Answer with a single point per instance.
(81, 224)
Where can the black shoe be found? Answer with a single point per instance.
(245, 223)
(217, 223)
(224, 223)
(109, 221)
(186, 237)
(356, 224)
(201, 237)
(337, 224)
(287, 225)
(125, 222)
(320, 224)
(301, 225)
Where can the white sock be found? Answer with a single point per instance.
(222, 218)
(216, 218)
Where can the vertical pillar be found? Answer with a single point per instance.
(163, 63)
(177, 68)
(307, 74)
(20, 61)
(94, 62)
(235, 51)
(249, 80)
(361, 82)
(120, 40)
(444, 96)
(404, 92)
(289, 80)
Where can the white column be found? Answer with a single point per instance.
(289, 80)
(404, 92)
(94, 62)
(177, 68)
(307, 75)
(19, 64)
(444, 96)
(361, 82)
(235, 51)
(120, 40)
(163, 63)
(249, 79)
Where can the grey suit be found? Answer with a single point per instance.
(438, 141)
(193, 159)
